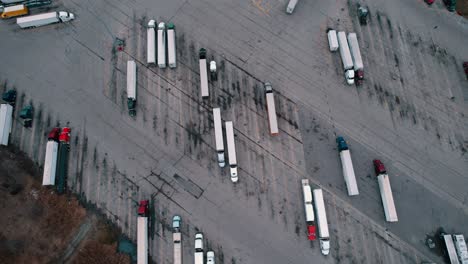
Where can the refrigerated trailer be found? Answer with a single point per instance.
(50, 163)
(219, 141)
(270, 102)
(346, 58)
(162, 45)
(347, 167)
(309, 209)
(6, 122)
(171, 46)
(203, 74)
(231, 151)
(324, 235)
(151, 42)
(131, 87)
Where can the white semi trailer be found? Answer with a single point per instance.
(346, 58)
(162, 45)
(44, 19)
(355, 52)
(6, 122)
(171, 46)
(131, 87)
(291, 5)
(272, 119)
(450, 247)
(332, 40)
(219, 141)
(231, 151)
(347, 166)
(462, 250)
(324, 235)
(203, 74)
(151, 42)
(50, 163)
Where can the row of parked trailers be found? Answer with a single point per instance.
(164, 39)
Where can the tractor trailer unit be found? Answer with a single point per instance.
(171, 46)
(131, 87)
(199, 257)
(62, 163)
(151, 42)
(44, 19)
(219, 141)
(203, 74)
(347, 167)
(357, 59)
(309, 209)
(162, 45)
(346, 58)
(6, 122)
(324, 235)
(231, 151)
(177, 239)
(142, 232)
(385, 192)
(270, 101)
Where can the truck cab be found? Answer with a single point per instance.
(325, 246)
(176, 220)
(210, 257)
(349, 75)
(54, 134)
(65, 135)
(143, 208)
(341, 144)
(359, 76)
(66, 16)
(311, 234)
(379, 167)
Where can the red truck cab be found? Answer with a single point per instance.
(379, 167)
(359, 77)
(143, 208)
(429, 2)
(54, 134)
(65, 135)
(311, 232)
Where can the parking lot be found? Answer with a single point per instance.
(410, 112)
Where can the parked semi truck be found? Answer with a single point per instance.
(50, 163)
(270, 103)
(177, 239)
(462, 250)
(14, 11)
(62, 164)
(231, 151)
(219, 141)
(151, 42)
(450, 249)
(162, 45)
(309, 209)
(357, 59)
(385, 191)
(142, 232)
(346, 58)
(347, 166)
(171, 46)
(44, 19)
(131, 87)
(203, 74)
(324, 235)
(6, 123)
(291, 5)
(199, 258)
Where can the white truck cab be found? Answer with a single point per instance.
(210, 257)
(66, 16)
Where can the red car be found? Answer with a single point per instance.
(54, 134)
(429, 2)
(311, 232)
(143, 209)
(379, 167)
(465, 67)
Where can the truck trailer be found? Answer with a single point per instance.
(324, 235)
(131, 87)
(357, 59)
(44, 19)
(6, 123)
(50, 163)
(203, 74)
(199, 257)
(385, 191)
(14, 11)
(151, 42)
(231, 151)
(142, 232)
(450, 249)
(347, 167)
(309, 209)
(62, 164)
(462, 250)
(346, 58)
(270, 103)
(162, 45)
(219, 141)
(332, 40)
(171, 46)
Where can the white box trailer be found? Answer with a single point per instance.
(307, 194)
(387, 198)
(151, 42)
(332, 40)
(131, 87)
(203, 74)
(44, 19)
(50, 163)
(177, 239)
(451, 251)
(347, 167)
(142, 240)
(231, 151)
(162, 45)
(462, 250)
(291, 5)
(6, 123)
(355, 52)
(219, 141)
(270, 101)
(346, 57)
(171, 46)
(324, 235)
